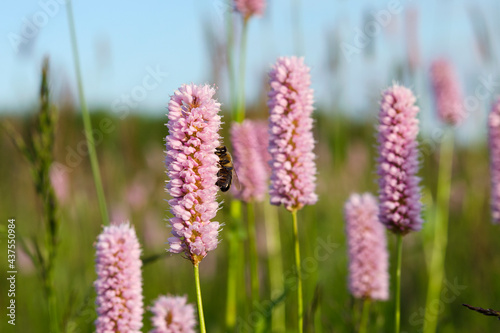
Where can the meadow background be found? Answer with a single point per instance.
(120, 44)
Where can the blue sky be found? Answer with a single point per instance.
(121, 42)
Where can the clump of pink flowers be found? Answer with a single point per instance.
(367, 243)
(249, 8)
(291, 140)
(494, 143)
(249, 161)
(447, 92)
(172, 315)
(119, 281)
(399, 193)
(193, 124)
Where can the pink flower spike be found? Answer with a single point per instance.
(248, 8)
(172, 315)
(192, 166)
(60, 182)
(494, 143)
(399, 191)
(119, 281)
(249, 162)
(367, 243)
(262, 128)
(447, 92)
(291, 140)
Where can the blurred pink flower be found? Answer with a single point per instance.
(367, 243)
(172, 315)
(262, 128)
(494, 143)
(60, 182)
(119, 280)
(248, 162)
(412, 40)
(399, 191)
(291, 140)
(153, 230)
(447, 92)
(139, 191)
(248, 8)
(193, 124)
(24, 260)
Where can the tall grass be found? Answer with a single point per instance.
(469, 209)
(96, 173)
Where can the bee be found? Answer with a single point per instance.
(226, 173)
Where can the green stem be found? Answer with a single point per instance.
(252, 245)
(275, 264)
(52, 231)
(338, 141)
(230, 59)
(240, 110)
(365, 315)
(234, 260)
(397, 313)
(51, 299)
(153, 258)
(43, 144)
(199, 302)
(300, 306)
(86, 119)
(437, 265)
(232, 276)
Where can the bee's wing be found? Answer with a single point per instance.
(236, 181)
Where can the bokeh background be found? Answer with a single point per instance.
(123, 43)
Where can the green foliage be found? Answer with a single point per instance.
(39, 153)
(132, 153)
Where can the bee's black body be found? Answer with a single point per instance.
(225, 173)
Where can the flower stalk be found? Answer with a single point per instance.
(39, 153)
(365, 315)
(399, 191)
(86, 119)
(399, 256)
(240, 108)
(275, 264)
(298, 268)
(235, 268)
(291, 145)
(254, 262)
(199, 301)
(437, 268)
